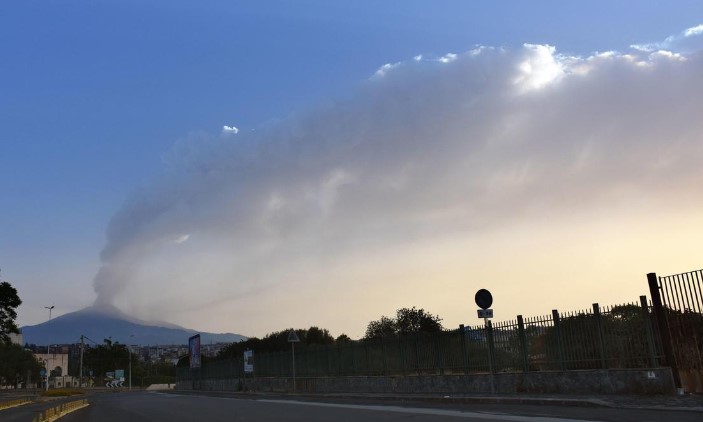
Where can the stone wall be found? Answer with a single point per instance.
(613, 381)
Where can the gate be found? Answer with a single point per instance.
(678, 305)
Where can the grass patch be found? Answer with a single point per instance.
(62, 392)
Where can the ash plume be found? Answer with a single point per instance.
(427, 148)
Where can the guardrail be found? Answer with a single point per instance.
(56, 412)
(5, 404)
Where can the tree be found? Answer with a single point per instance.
(277, 342)
(321, 336)
(407, 321)
(17, 365)
(342, 339)
(9, 301)
(106, 358)
(415, 320)
(384, 327)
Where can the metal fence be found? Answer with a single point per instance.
(682, 295)
(622, 336)
(678, 305)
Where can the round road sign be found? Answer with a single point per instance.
(484, 299)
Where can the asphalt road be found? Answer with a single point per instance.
(152, 406)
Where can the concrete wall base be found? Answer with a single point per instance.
(612, 381)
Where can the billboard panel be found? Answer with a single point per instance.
(248, 361)
(194, 349)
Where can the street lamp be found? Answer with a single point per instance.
(49, 308)
(129, 347)
(48, 371)
(47, 351)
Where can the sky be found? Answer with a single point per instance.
(244, 167)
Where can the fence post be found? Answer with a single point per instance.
(663, 326)
(339, 359)
(599, 333)
(383, 356)
(417, 352)
(464, 352)
(353, 358)
(366, 355)
(523, 344)
(648, 330)
(557, 332)
(404, 366)
(438, 347)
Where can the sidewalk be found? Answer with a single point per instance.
(684, 403)
(690, 403)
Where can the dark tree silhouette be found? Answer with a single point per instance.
(407, 321)
(9, 301)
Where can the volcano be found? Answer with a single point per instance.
(99, 323)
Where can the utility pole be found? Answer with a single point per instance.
(47, 366)
(47, 350)
(130, 362)
(80, 377)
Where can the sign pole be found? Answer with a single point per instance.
(293, 345)
(292, 339)
(489, 342)
(484, 300)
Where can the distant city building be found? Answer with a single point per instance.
(56, 365)
(53, 362)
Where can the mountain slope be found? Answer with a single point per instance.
(101, 323)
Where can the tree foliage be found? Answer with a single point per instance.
(106, 357)
(383, 327)
(406, 321)
(278, 342)
(17, 365)
(9, 302)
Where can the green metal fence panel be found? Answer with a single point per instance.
(622, 336)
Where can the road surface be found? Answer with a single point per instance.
(153, 406)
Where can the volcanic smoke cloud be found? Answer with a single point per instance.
(431, 147)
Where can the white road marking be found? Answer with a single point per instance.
(433, 412)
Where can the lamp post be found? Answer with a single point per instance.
(129, 350)
(48, 372)
(49, 308)
(47, 350)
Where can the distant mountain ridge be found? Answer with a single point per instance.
(99, 323)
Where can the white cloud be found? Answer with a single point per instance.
(668, 55)
(539, 68)
(696, 30)
(383, 70)
(230, 129)
(448, 58)
(684, 42)
(182, 238)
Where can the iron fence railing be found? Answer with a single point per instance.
(679, 302)
(622, 336)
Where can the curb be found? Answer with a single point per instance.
(448, 399)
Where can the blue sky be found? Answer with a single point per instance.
(94, 95)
